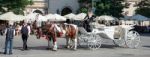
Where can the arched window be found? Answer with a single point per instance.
(66, 11)
(38, 11)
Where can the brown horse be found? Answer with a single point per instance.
(2, 28)
(36, 30)
(69, 31)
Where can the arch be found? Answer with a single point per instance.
(38, 11)
(66, 10)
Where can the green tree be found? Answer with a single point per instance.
(83, 10)
(104, 7)
(109, 7)
(143, 8)
(84, 5)
(16, 6)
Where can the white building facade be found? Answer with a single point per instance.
(63, 6)
(130, 11)
(38, 5)
(53, 6)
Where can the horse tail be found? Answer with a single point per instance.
(76, 32)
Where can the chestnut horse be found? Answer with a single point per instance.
(36, 30)
(68, 31)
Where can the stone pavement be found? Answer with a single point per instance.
(37, 48)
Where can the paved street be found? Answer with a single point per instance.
(37, 48)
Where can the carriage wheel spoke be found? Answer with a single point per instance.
(94, 42)
(133, 39)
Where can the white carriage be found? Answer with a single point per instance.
(122, 35)
(92, 39)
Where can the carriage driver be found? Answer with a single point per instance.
(89, 18)
(38, 24)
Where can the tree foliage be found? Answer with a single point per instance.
(84, 5)
(83, 10)
(143, 8)
(16, 6)
(105, 7)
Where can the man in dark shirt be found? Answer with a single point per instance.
(25, 31)
(89, 18)
(9, 32)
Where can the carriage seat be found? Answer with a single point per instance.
(101, 26)
(82, 30)
(98, 26)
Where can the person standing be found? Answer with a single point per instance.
(25, 31)
(10, 33)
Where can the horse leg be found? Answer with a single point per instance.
(48, 45)
(48, 39)
(75, 43)
(55, 46)
(68, 42)
(75, 40)
(37, 34)
(54, 43)
(40, 32)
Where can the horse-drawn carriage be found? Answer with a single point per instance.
(122, 35)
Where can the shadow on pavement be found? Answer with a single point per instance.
(32, 48)
(41, 48)
(145, 34)
(102, 46)
(84, 47)
(108, 46)
(147, 46)
(1, 52)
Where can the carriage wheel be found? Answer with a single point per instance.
(82, 40)
(132, 39)
(94, 42)
(119, 42)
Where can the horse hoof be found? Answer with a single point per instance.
(38, 38)
(54, 50)
(68, 47)
(48, 48)
(74, 49)
(71, 46)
